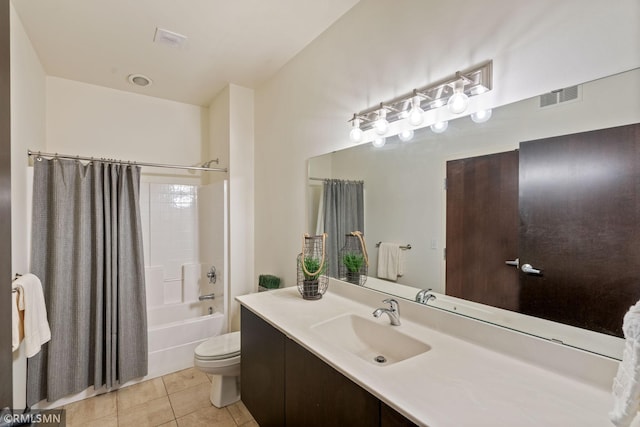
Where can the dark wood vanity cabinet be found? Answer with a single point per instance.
(284, 384)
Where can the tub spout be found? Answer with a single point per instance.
(207, 296)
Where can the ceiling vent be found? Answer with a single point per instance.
(559, 96)
(169, 38)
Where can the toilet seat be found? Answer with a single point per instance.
(220, 347)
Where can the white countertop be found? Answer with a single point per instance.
(457, 383)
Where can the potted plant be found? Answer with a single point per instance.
(353, 262)
(313, 268)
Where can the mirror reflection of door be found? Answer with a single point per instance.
(579, 223)
(482, 229)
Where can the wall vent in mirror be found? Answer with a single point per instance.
(559, 96)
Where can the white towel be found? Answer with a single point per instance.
(390, 264)
(17, 319)
(31, 301)
(626, 385)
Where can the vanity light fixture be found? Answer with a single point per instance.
(416, 114)
(379, 142)
(439, 127)
(481, 116)
(459, 101)
(410, 108)
(356, 133)
(405, 135)
(381, 125)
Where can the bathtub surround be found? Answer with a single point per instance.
(87, 250)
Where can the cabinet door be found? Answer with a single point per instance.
(389, 417)
(262, 370)
(318, 395)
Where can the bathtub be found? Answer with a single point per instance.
(175, 330)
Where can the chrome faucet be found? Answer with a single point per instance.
(393, 311)
(424, 296)
(207, 296)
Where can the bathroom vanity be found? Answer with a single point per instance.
(316, 363)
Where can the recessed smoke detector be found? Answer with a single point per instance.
(139, 80)
(169, 38)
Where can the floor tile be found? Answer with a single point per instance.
(169, 424)
(240, 413)
(191, 399)
(110, 421)
(251, 423)
(152, 413)
(78, 413)
(184, 379)
(210, 416)
(140, 393)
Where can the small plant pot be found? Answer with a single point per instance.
(353, 277)
(311, 290)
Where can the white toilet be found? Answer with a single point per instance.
(220, 357)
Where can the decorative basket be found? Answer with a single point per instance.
(354, 261)
(312, 267)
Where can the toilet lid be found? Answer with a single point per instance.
(220, 347)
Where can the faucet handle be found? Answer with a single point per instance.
(393, 303)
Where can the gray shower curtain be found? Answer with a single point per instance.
(87, 251)
(343, 203)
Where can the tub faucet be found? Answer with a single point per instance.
(207, 296)
(424, 296)
(393, 311)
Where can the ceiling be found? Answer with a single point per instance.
(243, 42)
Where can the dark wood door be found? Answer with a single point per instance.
(580, 224)
(482, 229)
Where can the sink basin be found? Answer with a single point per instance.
(378, 343)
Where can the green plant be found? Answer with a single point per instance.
(268, 281)
(353, 261)
(313, 267)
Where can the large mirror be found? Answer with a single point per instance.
(405, 201)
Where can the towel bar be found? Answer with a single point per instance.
(407, 247)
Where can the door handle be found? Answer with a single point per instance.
(515, 262)
(527, 268)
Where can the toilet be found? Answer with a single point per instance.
(220, 357)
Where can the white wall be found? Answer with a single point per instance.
(27, 131)
(384, 48)
(95, 121)
(242, 279)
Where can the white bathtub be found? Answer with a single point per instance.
(175, 330)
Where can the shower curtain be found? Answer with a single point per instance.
(87, 251)
(342, 212)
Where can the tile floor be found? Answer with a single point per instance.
(180, 399)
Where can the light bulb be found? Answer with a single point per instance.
(381, 125)
(379, 142)
(439, 127)
(356, 133)
(459, 101)
(416, 114)
(481, 116)
(406, 135)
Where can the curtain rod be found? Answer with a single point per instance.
(154, 165)
(312, 178)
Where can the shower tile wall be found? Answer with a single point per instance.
(170, 237)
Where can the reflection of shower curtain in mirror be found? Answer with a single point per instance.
(342, 211)
(87, 251)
